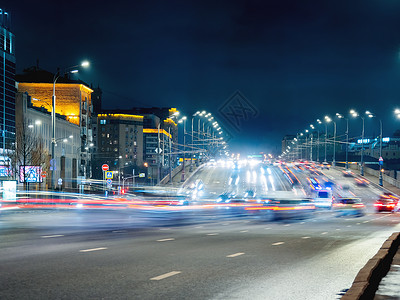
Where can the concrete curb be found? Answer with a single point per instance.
(368, 278)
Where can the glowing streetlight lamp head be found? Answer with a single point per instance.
(85, 64)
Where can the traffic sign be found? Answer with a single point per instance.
(109, 183)
(109, 174)
(142, 175)
(59, 181)
(44, 174)
(104, 167)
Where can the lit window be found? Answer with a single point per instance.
(103, 122)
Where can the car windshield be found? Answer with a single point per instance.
(323, 195)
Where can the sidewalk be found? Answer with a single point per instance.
(382, 272)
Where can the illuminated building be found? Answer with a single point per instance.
(34, 134)
(73, 101)
(7, 88)
(118, 142)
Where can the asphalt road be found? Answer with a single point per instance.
(123, 254)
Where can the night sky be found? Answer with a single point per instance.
(285, 63)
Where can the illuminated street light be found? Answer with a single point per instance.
(53, 116)
(355, 115)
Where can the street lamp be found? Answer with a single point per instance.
(327, 120)
(355, 115)
(72, 69)
(183, 120)
(347, 138)
(371, 115)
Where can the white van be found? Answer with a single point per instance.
(323, 198)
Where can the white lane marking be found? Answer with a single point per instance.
(358, 223)
(244, 231)
(302, 222)
(305, 237)
(119, 231)
(199, 226)
(165, 228)
(366, 222)
(94, 249)
(338, 229)
(348, 226)
(278, 243)
(224, 224)
(235, 254)
(51, 236)
(166, 275)
(165, 240)
(212, 233)
(268, 228)
(324, 232)
(286, 225)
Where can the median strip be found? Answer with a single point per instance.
(94, 249)
(166, 275)
(235, 254)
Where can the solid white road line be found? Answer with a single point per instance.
(278, 243)
(94, 249)
(164, 240)
(235, 254)
(166, 275)
(51, 236)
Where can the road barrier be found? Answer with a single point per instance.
(368, 278)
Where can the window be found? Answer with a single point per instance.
(102, 122)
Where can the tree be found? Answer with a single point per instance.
(28, 150)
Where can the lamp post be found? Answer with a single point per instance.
(347, 138)
(319, 122)
(183, 120)
(355, 115)
(311, 152)
(327, 120)
(53, 115)
(371, 115)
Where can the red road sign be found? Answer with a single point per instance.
(104, 167)
(44, 174)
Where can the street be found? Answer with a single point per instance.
(199, 254)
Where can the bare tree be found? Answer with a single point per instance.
(28, 150)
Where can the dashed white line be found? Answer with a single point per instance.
(286, 225)
(215, 233)
(119, 231)
(94, 249)
(244, 231)
(324, 232)
(305, 237)
(366, 222)
(268, 228)
(235, 254)
(338, 229)
(278, 243)
(166, 275)
(165, 240)
(51, 236)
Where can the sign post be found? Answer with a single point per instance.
(105, 168)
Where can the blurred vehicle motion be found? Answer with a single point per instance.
(361, 181)
(323, 199)
(348, 173)
(348, 206)
(278, 209)
(386, 202)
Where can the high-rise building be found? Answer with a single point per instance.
(7, 88)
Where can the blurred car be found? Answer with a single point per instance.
(276, 209)
(348, 173)
(386, 202)
(323, 199)
(361, 181)
(325, 165)
(348, 206)
(249, 194)
(225, 197)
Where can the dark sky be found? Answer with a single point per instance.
(292, 61)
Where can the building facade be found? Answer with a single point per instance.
(7, 88)
(73, 101)
(33, 147)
